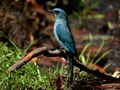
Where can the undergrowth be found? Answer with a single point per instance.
(27, 77)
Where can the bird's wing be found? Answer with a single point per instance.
(64, 35)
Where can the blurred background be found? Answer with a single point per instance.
(29, 25)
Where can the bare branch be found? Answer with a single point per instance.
(54, 53)
(26, 58)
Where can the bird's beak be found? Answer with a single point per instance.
(51, 11)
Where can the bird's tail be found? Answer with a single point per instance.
(70, 59)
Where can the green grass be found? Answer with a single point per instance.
(88, 61)
(30, 76)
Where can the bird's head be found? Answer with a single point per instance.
(59, 13)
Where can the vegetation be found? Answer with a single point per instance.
(26, 25)
(30, 76)
(27, 77)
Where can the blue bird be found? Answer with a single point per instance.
(64, 37)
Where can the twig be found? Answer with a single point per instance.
(61, 53)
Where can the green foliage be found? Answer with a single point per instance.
(88, 61)
(110, 25)
(59, 68)
(81, 56)
(30, 76)
(16, 49)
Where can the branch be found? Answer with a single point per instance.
(26, 58)
(54, 53)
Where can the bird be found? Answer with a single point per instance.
(64, 36)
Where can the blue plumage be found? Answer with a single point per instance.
(64, 36)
